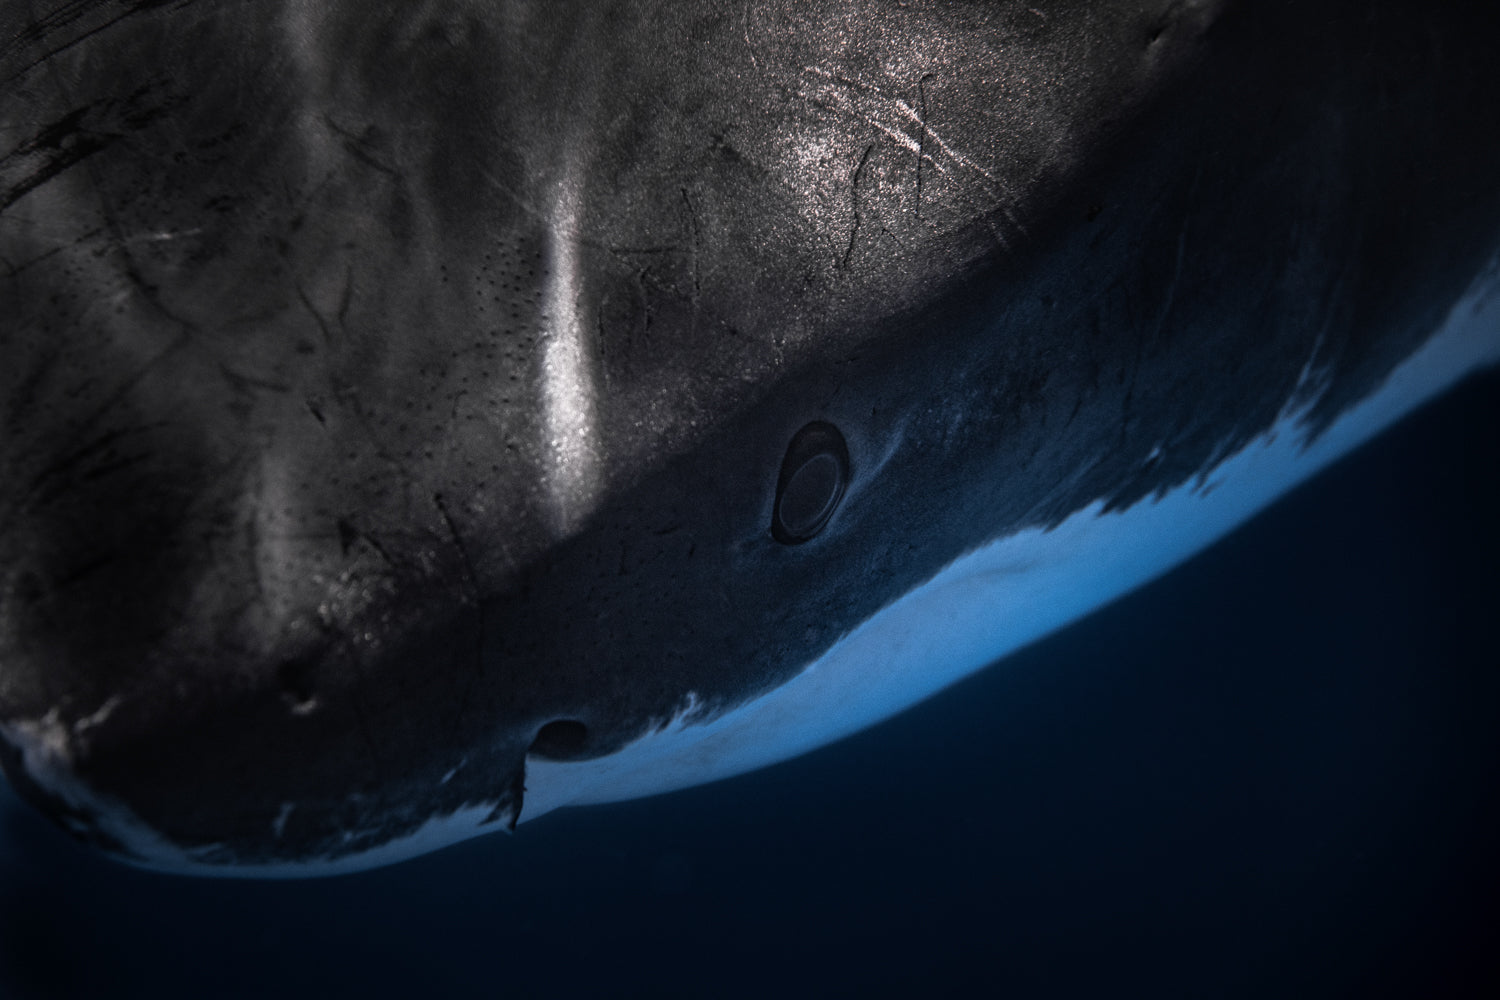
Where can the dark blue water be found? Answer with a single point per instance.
(1275, 772)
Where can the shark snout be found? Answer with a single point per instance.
(213, 659)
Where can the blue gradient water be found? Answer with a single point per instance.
(1273, 772)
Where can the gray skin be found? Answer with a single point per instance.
(278, 283)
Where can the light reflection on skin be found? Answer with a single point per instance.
(570, 377)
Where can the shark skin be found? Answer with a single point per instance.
(420, 417)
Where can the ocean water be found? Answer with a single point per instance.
(1273, 772)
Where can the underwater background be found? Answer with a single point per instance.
(1274, 772)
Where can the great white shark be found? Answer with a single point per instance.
(418, 417)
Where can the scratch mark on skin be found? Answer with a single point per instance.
(162, 237)
(317, 316)
(463, 551)
(502, 188)
(50, 153)
(749, 45)
(380, 550)
(134, 116)
(354, 145)
(854, 203)
(481, 627)
(64, 467)
(922, 135)
(347, 299)
(243, 383)
(13, 270)
(109, 469)
(41, 28)
(999, 193)
(77, 136)
(139, 375)
(917, 118)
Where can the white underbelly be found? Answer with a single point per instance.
(1013, 591)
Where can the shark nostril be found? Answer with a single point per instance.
(560, 739)
(298, 684)
(813, 477)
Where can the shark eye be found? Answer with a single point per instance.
(813, 477)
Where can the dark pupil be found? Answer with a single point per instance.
(810, 495)
(813, 477)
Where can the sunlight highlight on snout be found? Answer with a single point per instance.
(569, 374)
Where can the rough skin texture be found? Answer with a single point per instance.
(384, 381)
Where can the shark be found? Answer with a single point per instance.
(416, 418)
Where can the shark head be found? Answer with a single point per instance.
(421, 418)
